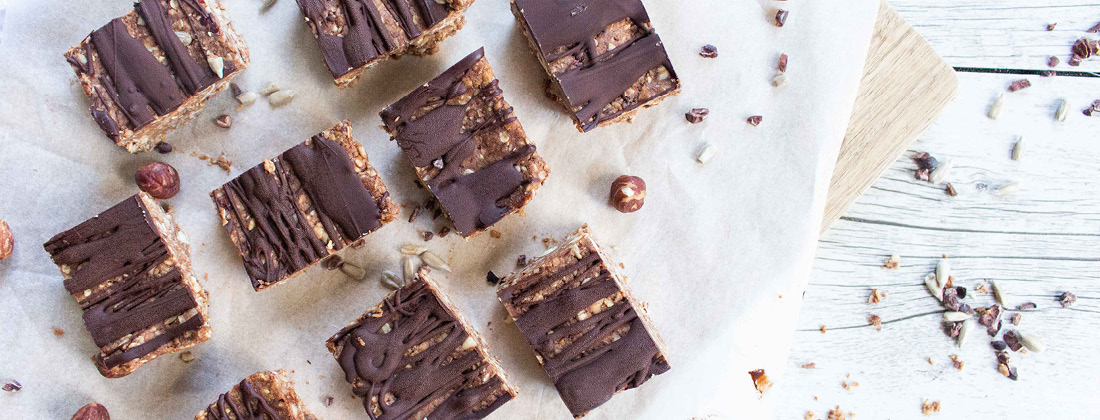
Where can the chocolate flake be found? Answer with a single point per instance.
(755, 120)
(1019, 84)
(925, 165)
(1083, 49)
(781, 17)
(415, 213)
(12, 386)
(1067, 299)
(1092, 109)
(697, 115)
(333, 262)
(709, 51)
(1050, 26)
(998, 345)
(443, 232)
(522, 260)
(327, 400)
(1047, 73)
(1026, 306)
(1013, 341)
(1053, 61)
(492, 278)
(427, 235)
(950, 190)
(1094, 29)
(163, 148)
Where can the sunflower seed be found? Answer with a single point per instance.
(267, 4)
(940, 173)
(964, 333)
(434, 261)
(389, 279)
(933, 288)
(410, 266)
(354, 271)
(706, 153)
(999, 293)
(1063, 108)
(952, 316)
(1006, 189)
(943, 273)
(269, 89)
(217, 64)
(184, 37)
(995, 109)
(1018, 149)
(413, 249)
(247, 98)
(1031, 341)
(281, 97)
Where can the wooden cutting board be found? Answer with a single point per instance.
(905, 87)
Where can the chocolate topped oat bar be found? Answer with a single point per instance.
(153, 69)
(261, 396)
(129, 268)
(588, 332)
(467, 146)
(290, 212)
(414, 357)
(357, 34)
(604, 59)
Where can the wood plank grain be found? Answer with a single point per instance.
(904, 88)
(1038, 243)
(1007, 34)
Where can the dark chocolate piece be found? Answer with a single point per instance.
(709, 51)
(384, 356)
(430, 127)
(561, 29)
(279, 237)
(366, 36)
(254, 407)
(142, 85)
(122, 241)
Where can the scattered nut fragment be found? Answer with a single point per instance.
(1019, 84)
(187, 356)
(93, 411)
(224, 121)
(876, 321)
(1083, 48)
(1066, 299)
(706, 153)
(247, 98)
(876, 296)
(838, 414)
(893, 262)
(950, 190)
(59, 332)
(1016, 318)
(940, 173)
(1050, 26)
(1092, 109)
(159, 179)
(1063, 109)
(7, 240)
(435, 261)
(781, 17)
(755, 120)
(217, 64)
(697, 115)
(781, 66)
(627, 193)
(184, 37)
(281, 97)
(823, 328)
(1012, 340)
(328, 400)
(1026, 306)
(1053, 61)
(760, 381)
(709, 51)
(997, 107)
(810, 365)
(956, 362)
(163, 148)
(930, 407)
(495, 234)
(780, 80)
(1007, 189)
(12, 386)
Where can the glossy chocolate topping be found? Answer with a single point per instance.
(433, 126)
(587, 369)
(192, 76)
(279, 239)
(569, 28)
(366, 36)
(253, 406)
(118, 276)
(378, 357)
(142, 85)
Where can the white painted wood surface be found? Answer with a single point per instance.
(1037, 243)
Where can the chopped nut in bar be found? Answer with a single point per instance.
(292, 211)
(414, 356)
(154, 68)
(129, 269)
(265, 395)
(467, 146)
(605, 60)
(354, 35)
(589, 333)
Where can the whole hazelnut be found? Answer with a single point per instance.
(7, 241)
(159, 179)
(627, 193)
(93, 411)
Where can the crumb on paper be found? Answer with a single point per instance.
(810, 365)
(58, 332)
(930, 407)
(876, 296)
(838, 414)
(893, 262)
(981, 288)
(930, 361)
(823, 328)
(958, 363)
(809, 416)
(187, 357)
(849, 385)
(495, 234)
(876, 321)
(760, 381)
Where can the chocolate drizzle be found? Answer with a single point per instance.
(587, 370)
(142, 85)
(366, 36)
(278, 238)
(432, 125)
(253, 406)
(117, 275)
(377, 356)
(563, 28)
(192, 76)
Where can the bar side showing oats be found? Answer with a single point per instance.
(129, 270)
(266, 395)
(290, 212)
(588, 332)
(357, 34)
(153, 69)
(467, 146)
(413, 357)
(604, 59)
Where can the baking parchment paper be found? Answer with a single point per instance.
(721, 251)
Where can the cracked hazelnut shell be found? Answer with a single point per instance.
(159, 179)
(627, 193)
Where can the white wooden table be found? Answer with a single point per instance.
(1036, 243)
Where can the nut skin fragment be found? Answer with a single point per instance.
(159, 179)
(93, 411)
(7, 240)
(628, 193)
